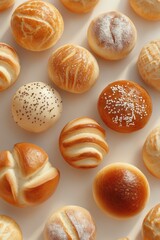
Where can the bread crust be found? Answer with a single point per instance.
(5, 4)
(80, 6)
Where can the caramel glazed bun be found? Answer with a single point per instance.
(4, 4)
(82, 143)
(36, 25)
(70, 222)
(125, 106)
(26, 176)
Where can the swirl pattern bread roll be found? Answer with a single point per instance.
(82, 143)
(9, 66)
(80, 6)
(4, 4)
(36, 25)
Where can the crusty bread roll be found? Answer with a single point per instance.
(73, 68)
(70, 222)
(82, 143)
(9, 229)
(80, 6)
(36, 25)
(147, 9)
(4, 4)
(121, 190)
(149, 64)
(123, 238)
(125, 106)
(112, 35)
(36, 107)
(26, 176)
(9, 66)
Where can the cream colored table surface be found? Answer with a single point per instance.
(75, 187)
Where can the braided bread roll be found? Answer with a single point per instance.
(26, 176)
(82, 143)
(4, 4)
(9, 66)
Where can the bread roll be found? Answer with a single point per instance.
(125, 106)
(73, 68)
(9, 229)
(80, 6)
(123, 239)
(9, 66)
(112, 35)
(36, 25)
(82, 143)
(70, 222)
(26, 176)
(147, 9)
(149, 64)
(4, 4)
(36, 107)
(121, 190)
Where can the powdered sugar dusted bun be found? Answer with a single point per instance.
(4, 4)
(147, 9)
(125, 106)
(73, 68)
(149, 64)
(121, 190)
(9, 66)
(112, 35)
(70, 222)
(36, 25)
(80, 6)
(10, 230)
(36, 106)
(82, 143)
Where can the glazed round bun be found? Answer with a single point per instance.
(73, 68)
(36, 25)
(112, 35)
(9, 66)
(4, 4)
(26, 176)
(125, 106)
(36, 107)
(10, 230)
(70, 222)
(81, 6)
(82, 143)
(121, 190)
(149, 64)
(147, 9)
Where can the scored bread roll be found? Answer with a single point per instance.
(9, 66)
(121, 190)
(4, 4)
(26, 175)
(36, 25)
(82, 143)
(80, 6)
(70, 222)
(73, 68)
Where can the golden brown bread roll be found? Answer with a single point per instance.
(112, 35)
(125, 106)
(121, 190)
(123, 238)
(70, 222)
(149, 64)
(9, 229)
(73, 68)
(82, 143)
(4, 4)
(80, 6)
(9, 66)
(147, 9)
(26, 176)
(36, 25)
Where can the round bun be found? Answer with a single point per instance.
(81, 6)
(123, 238)
(121, 190)
(9, 66)
(36, 107)
(112, 35)
(124, 106)
(26, 176)
(10, 230)
(149, 64)
(70, 222)
(36, 25)
(151, 224)
(82, 143)
(73, 68)
(147, 9)
(4, 4)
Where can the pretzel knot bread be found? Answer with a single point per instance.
(26, 175)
